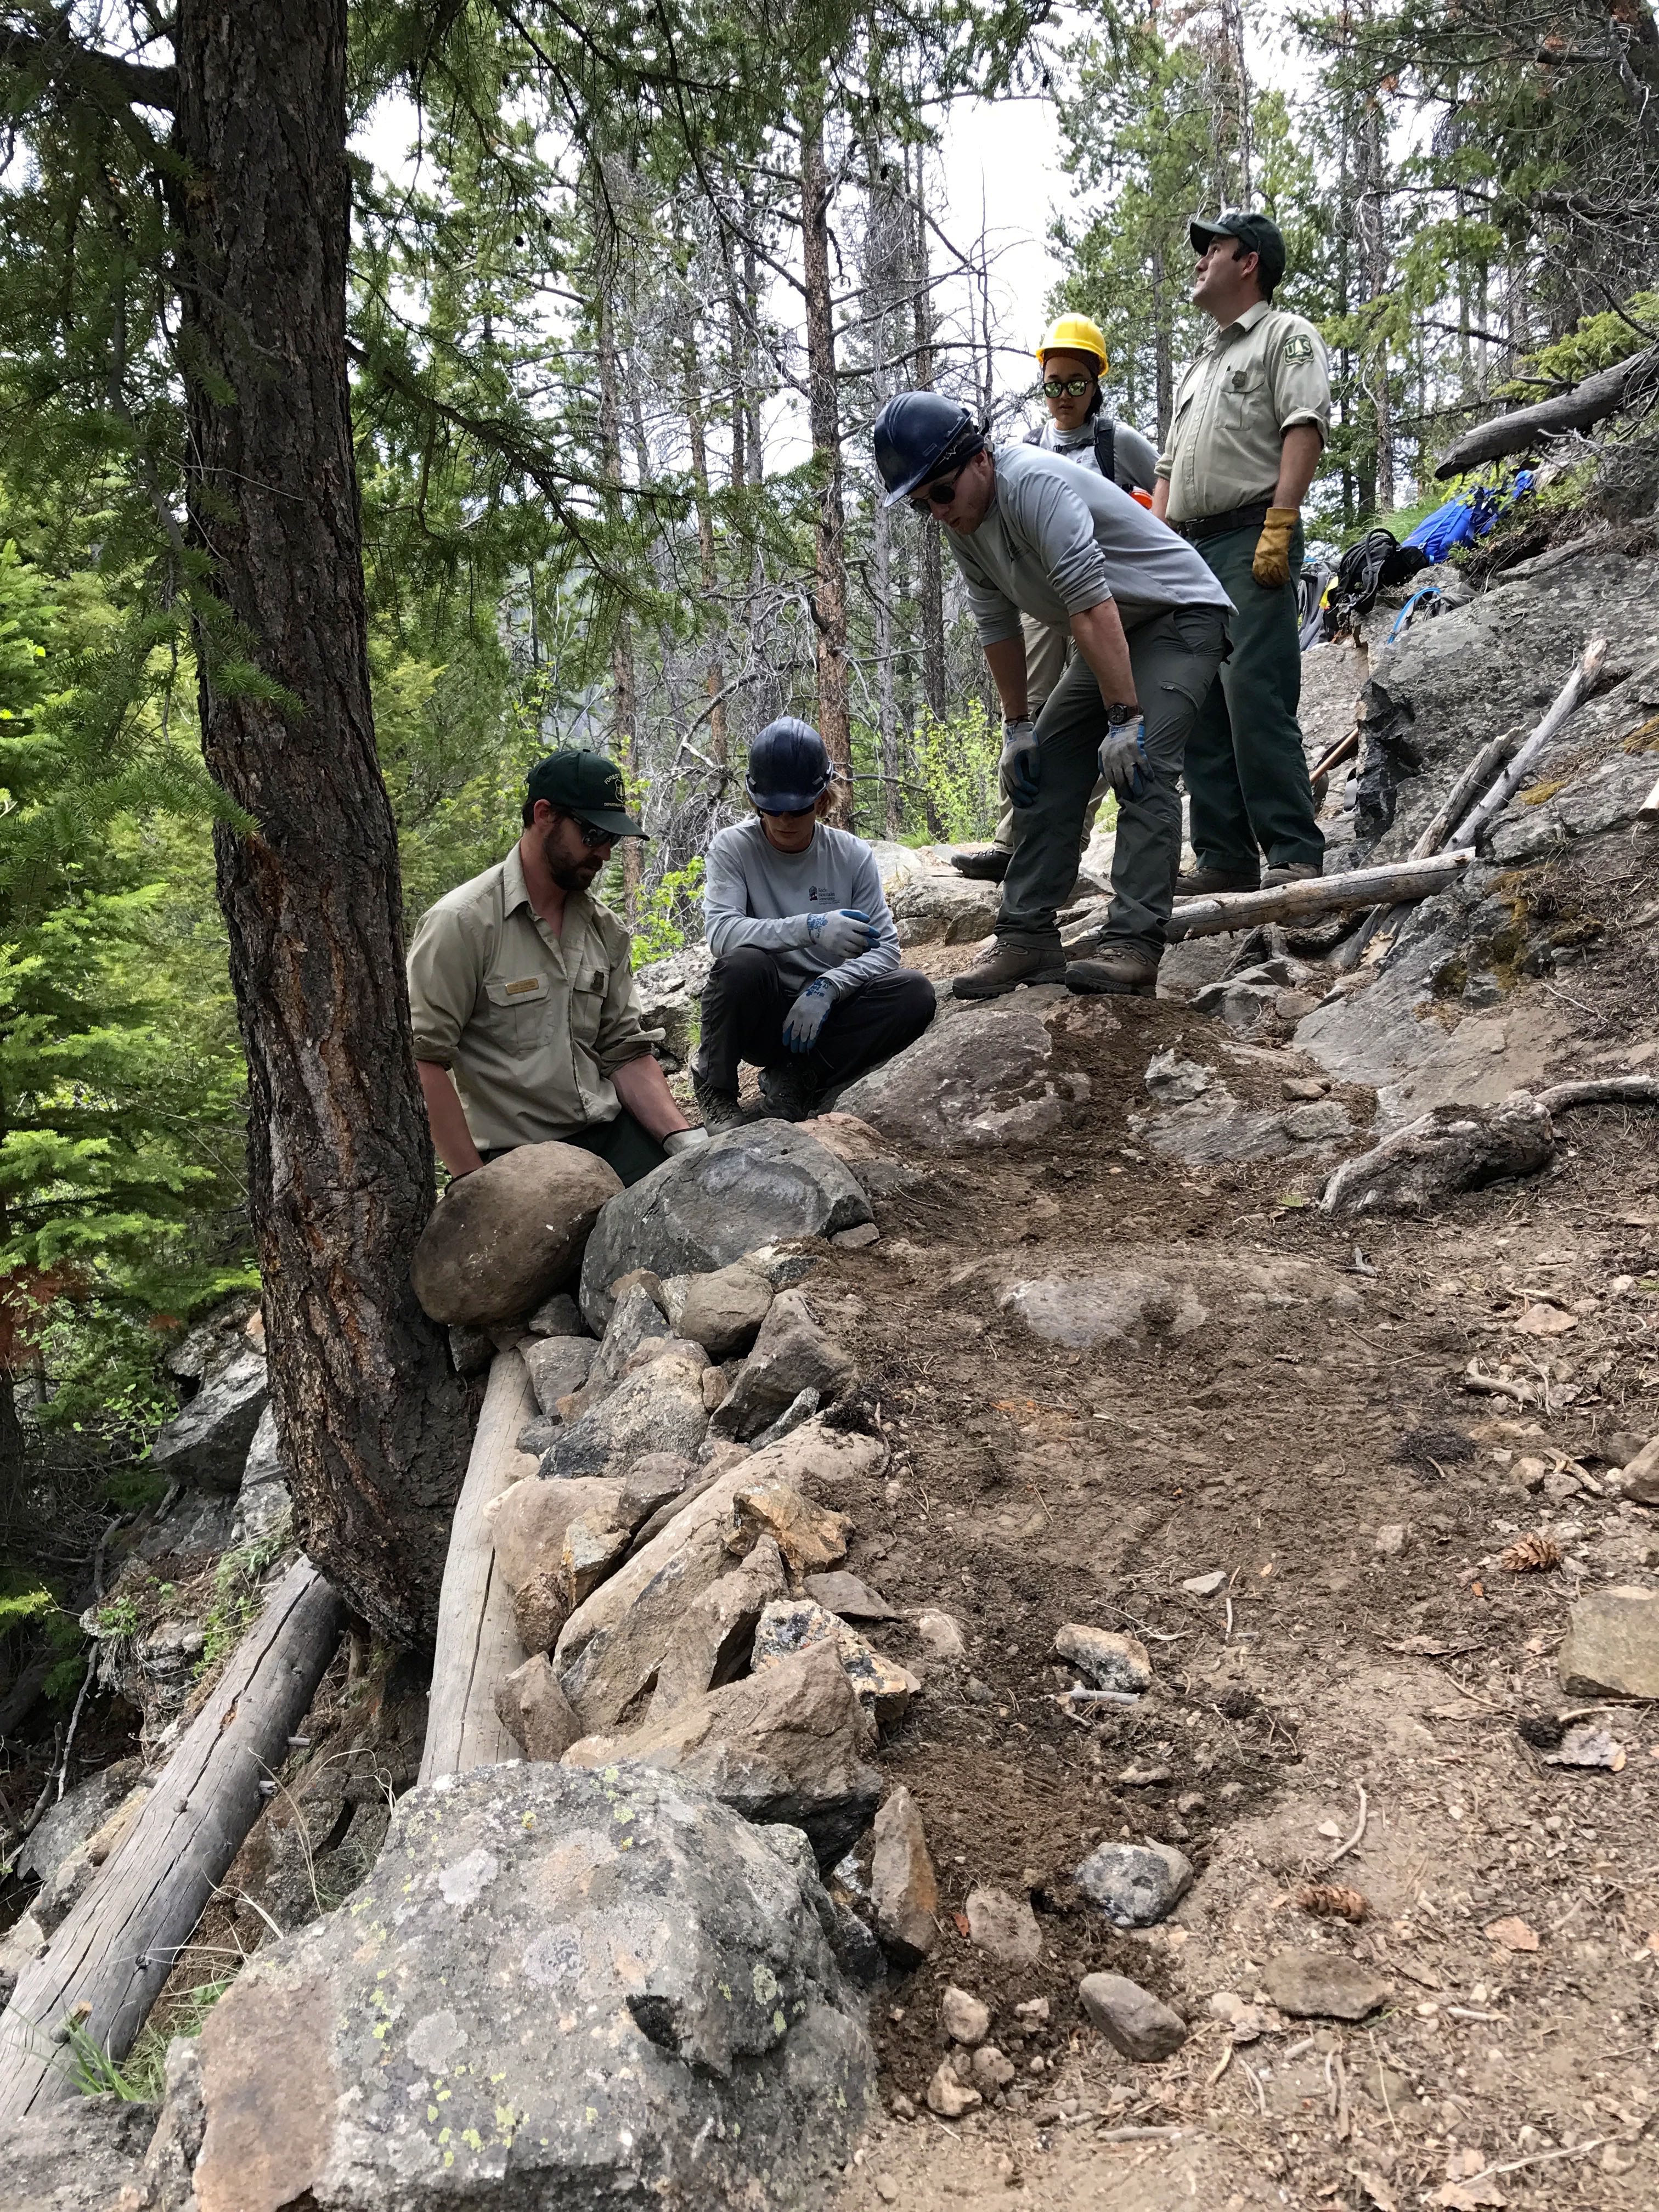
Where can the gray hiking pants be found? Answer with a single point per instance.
(1175, 655)
(1048, 651)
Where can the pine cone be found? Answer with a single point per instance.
(1531, 1555)
(1329, 1900)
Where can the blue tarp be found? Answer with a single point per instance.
(1470, 515)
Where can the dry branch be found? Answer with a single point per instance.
(1609, 1091)
(1600, 395)
(1566, 704)
(478, 1645)
(1401, 881)
(106, 1965)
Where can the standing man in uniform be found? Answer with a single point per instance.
(527, 1028)
(1248, 429)
(1072, 360)
(1033, 534)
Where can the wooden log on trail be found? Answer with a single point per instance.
(1401, 881)
(106, 1965)
(1598, 396)
(478, 1645)
(1566, 704)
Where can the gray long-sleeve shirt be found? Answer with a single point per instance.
(1057, 540)
(1134, 458)
(754, 894)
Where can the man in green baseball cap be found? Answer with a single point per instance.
(527, 1030)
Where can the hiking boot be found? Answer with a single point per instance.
(1008, 965)
(790, 1093)
(720, 1108)
(1209, 883)
(1116, 970)
(988, 866)
(1293, 871)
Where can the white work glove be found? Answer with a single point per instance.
(1017, 769)
(807, 1015)
(1123, 760)
(683, 1141)
(843, 935)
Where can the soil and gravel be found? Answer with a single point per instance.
(1326, 1455)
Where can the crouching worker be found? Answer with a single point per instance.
(807, 984)
(527, 1030)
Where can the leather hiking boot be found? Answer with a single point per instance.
(1116, 970)
(1293, 871)
(988, 865)
(790, 1092)
(1006, 966)
(1208, 883)
(720, 1108)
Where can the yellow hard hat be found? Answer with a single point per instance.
(1073, 334)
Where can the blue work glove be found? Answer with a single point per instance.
(843, 935)
(1123, 760)
(1018, 769)
(806, 1017)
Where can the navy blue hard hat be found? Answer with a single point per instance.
(918, 436)
(788, 767)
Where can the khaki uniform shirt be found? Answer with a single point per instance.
(1246, 386)
(530, 1024)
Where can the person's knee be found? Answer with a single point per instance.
(743, 964)
(918, 1001)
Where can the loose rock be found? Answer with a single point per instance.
(651, 1483)
(207, 1444)
(1322, 1986)
(541, 1608)
(1131, 2019)
(809, 1536)
(793, 1353)
(993, 2069)
(528, 1521)
(713, 1204)
(949, 2095)
(543, 1942)
(1110, 1660)
(1208, 1585)
(1450, 1149)
(595, 1545)
(535, 1712)
(846, 1594)
(1004, 1926)
(903, 1887)
(1135, 1885)
(942, 1633)
(559, 1315)
(793, 1624)
(722, 1311)
(657, 1408)
(503, 1239)
(965, 2018)
(558, 1365)
(714, 1641)
(1612, 1646)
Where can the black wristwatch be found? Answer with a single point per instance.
(1120, 711)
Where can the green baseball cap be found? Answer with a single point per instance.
(1257, 233)
(589, 785)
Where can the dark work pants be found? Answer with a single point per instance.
(746, 999)
(1174, 654)
(624, 1144)
(1246, 774)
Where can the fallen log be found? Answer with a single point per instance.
(1598, 396)
(1475, 778)
(1602, 1090)
(1566, 704)
(104, 1967)
(478, 1645)
(1401, 881)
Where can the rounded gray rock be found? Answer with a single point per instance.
(504, 1239)
(1135, 1885)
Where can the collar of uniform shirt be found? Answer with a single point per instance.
(1247, 321)
(516, 891)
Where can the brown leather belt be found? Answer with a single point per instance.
(1200, 526)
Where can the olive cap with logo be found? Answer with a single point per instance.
(587, 785)
(1256, 234)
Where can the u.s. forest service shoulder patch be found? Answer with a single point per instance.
(1298, 347)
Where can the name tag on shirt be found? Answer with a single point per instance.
(531, 984)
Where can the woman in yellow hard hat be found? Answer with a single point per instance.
(1073, 359)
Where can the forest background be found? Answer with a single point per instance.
(618, 327)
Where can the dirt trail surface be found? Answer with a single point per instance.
(1281, 1400)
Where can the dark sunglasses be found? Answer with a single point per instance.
(1072, 386)
(590, 836)
(937, 496)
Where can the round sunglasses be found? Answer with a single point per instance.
(1073, 387)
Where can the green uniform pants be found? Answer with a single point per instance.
(1175, 655)
(1246, 774)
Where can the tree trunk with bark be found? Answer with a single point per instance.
(707, 565)
(370, 1413)
(930, 595)
(624, 685)
(823, 416)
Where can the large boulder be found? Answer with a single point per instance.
(944, 909)
(503, 1239)
(786, 1744)
(264, 1501)
(709, 1206)
(207, 1444)
(982, 1078)
(75, 2157)
(557, 1987)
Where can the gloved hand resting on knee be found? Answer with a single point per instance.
(1019, 768)
(843, 934)
(807, 1015)
(1123, 760)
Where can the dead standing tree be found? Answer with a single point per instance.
(371, 1415)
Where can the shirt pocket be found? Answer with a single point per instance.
(517, 1015)
(1242, 397)
(587, 1009)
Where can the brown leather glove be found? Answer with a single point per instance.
(1271, 564)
